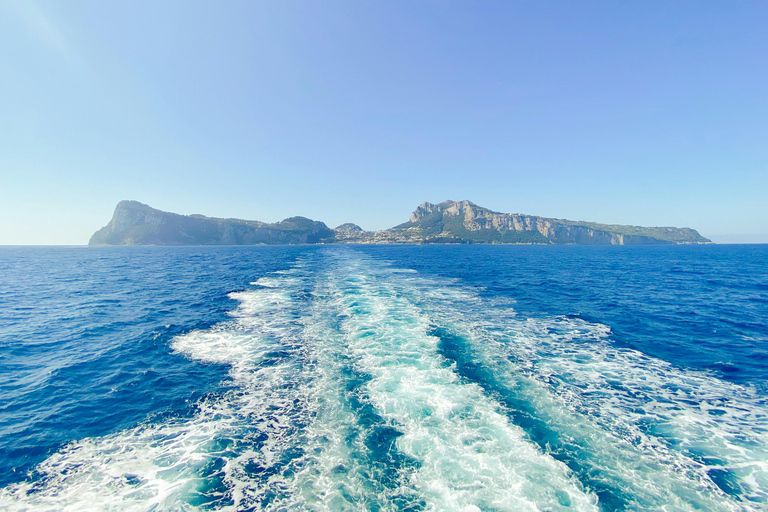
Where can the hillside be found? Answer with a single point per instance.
(134, 223)
(461, 222)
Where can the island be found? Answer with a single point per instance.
(449, 222)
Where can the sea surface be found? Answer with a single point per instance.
(466, 378)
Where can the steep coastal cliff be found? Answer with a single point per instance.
(134, 223)
(467, 222)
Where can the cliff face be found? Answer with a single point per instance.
(134, 223)
(464, 221)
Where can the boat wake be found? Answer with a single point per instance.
(354, 385)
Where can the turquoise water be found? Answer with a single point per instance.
(384, 378)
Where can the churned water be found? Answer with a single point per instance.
(468, 378)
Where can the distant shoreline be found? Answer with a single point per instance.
(449, 222)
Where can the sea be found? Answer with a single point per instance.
(384, 378)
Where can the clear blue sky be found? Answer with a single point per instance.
(648, 113)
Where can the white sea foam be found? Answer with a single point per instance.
(340, 398)
(652, 431)
(266, 282)
(281, 439)
(471, 457)
(168, 465)
(711, 424)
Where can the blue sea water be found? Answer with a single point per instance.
(384, 378)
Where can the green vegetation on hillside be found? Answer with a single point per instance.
(135, 223)
(667, 234)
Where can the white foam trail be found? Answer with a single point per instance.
(651, 430)
(334, 471)
(335, 355)
(168, 465)
(284, 438)
(471, 457)
(711, 423)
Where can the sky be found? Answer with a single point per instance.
(644, 113)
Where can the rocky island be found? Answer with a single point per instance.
(455, 222)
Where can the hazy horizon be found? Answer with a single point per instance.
(650, 115)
